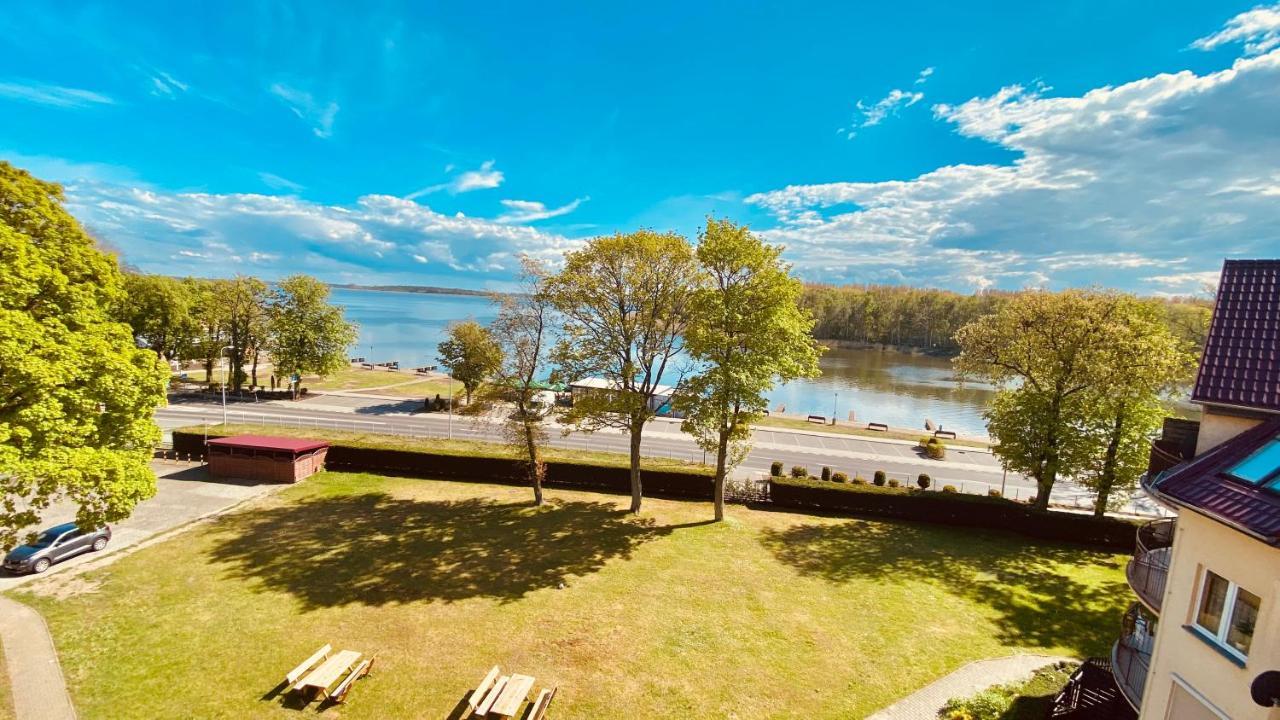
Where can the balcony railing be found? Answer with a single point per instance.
(1148, 571)
(1131, 655)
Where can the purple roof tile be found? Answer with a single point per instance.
(1203, 484)
(1241, 361)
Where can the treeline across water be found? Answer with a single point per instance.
(927, 318)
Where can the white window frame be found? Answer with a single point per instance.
(1218, 637)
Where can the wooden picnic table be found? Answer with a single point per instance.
(330, 670)
(512, 696)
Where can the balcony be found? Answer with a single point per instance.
(1131, 655)
(1149, 569)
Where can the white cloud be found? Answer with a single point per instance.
(275, 182)
(319, 115)
(483, 178)
(873, 114)
(1194, 280)
(522, 211)
(924, 75)
(1173, 170)
(165, 85)
(51, 95)
(1258, 29)
(379, 235)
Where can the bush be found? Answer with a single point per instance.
(776, 469)
(859, 480)
(893, 483)
(879, 478)
(935, 449)
(826, 474)
(924, 481)
(949, 488)
(992, 492)
(799, 471)
(839, 477)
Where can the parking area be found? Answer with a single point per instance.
(183, 493)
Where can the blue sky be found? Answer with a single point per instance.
(1025, 144)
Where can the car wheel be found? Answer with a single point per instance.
(99, 543)
(41, 565)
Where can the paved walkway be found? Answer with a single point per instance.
(35, 676)
(925, 703)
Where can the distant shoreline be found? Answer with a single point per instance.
(418, 289)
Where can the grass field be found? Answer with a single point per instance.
(769, 614)
(464, 448)
(846, 429)
(355, 378)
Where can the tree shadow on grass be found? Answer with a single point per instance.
(1038, 601)
(375, 549)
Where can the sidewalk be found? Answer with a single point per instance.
(38, 690)
(925, 703)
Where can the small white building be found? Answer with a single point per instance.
(660, 403)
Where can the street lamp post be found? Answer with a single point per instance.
(225, 362)
(835, 402)
(450, 403)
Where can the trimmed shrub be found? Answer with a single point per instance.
(949, 488)
(992, 492)
(859, 480)
(954, 509)
(893, 483)
(799, 471)
(826, 474)
(840, 477)
(879, 478)
(775, 469)
(924, 481)
(935, 449)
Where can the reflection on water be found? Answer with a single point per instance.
(878, 386)
(889, 387)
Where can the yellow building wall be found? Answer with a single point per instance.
(1199, 544)
(1217, 428)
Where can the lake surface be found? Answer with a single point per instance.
(878, 386)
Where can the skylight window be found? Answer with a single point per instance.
(1259, 467)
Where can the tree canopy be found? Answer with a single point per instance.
(306, 334)
(76, 393)
(748, 332)
(471, 354)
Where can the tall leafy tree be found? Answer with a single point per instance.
(625, 302)
(748, 332)
(1048, 353)
(76, 394)
(1111, 442)
(523, 330)
(239, 308)
(471, 353)
(305, 333)
(159, 310)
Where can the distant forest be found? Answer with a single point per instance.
(423, 289)
(927, 319)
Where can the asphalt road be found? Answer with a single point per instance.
(970, 470)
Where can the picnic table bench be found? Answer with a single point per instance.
(319, 679)
(878, 426)
(504, 695)
(945, 433)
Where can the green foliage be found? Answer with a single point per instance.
(625, 304)
(1029, 700)
(748, 332)
(799, 471)
(879, 478)
(161, 312)
(924, 481)
(306, 334)
(237, 308)
(949, 489)
(775, 468)
(859, 480)
(471, 354)
(992, 492)
(841, 477)
(893, 483)
(826, 473)
(935, 449)
(76, 394)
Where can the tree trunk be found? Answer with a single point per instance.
(1044, 483)
(722, 452)
(208, 370)
(637, 427)
(1107, 478)
(254, 381)
(535, 463)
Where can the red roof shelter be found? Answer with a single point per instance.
(266, 458)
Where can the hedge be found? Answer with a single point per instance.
(424, 464)
(954, 509)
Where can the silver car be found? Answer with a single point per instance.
(55, 545)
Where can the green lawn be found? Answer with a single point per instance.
(769, 614)
(859, 430)
(355, 378)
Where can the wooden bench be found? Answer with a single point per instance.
(878, 426)
(492, 697)
(945, 433)
(541, 704)
(513, 696)
(306, 665)
(344, 687)
(820, 419)
(477, 695)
